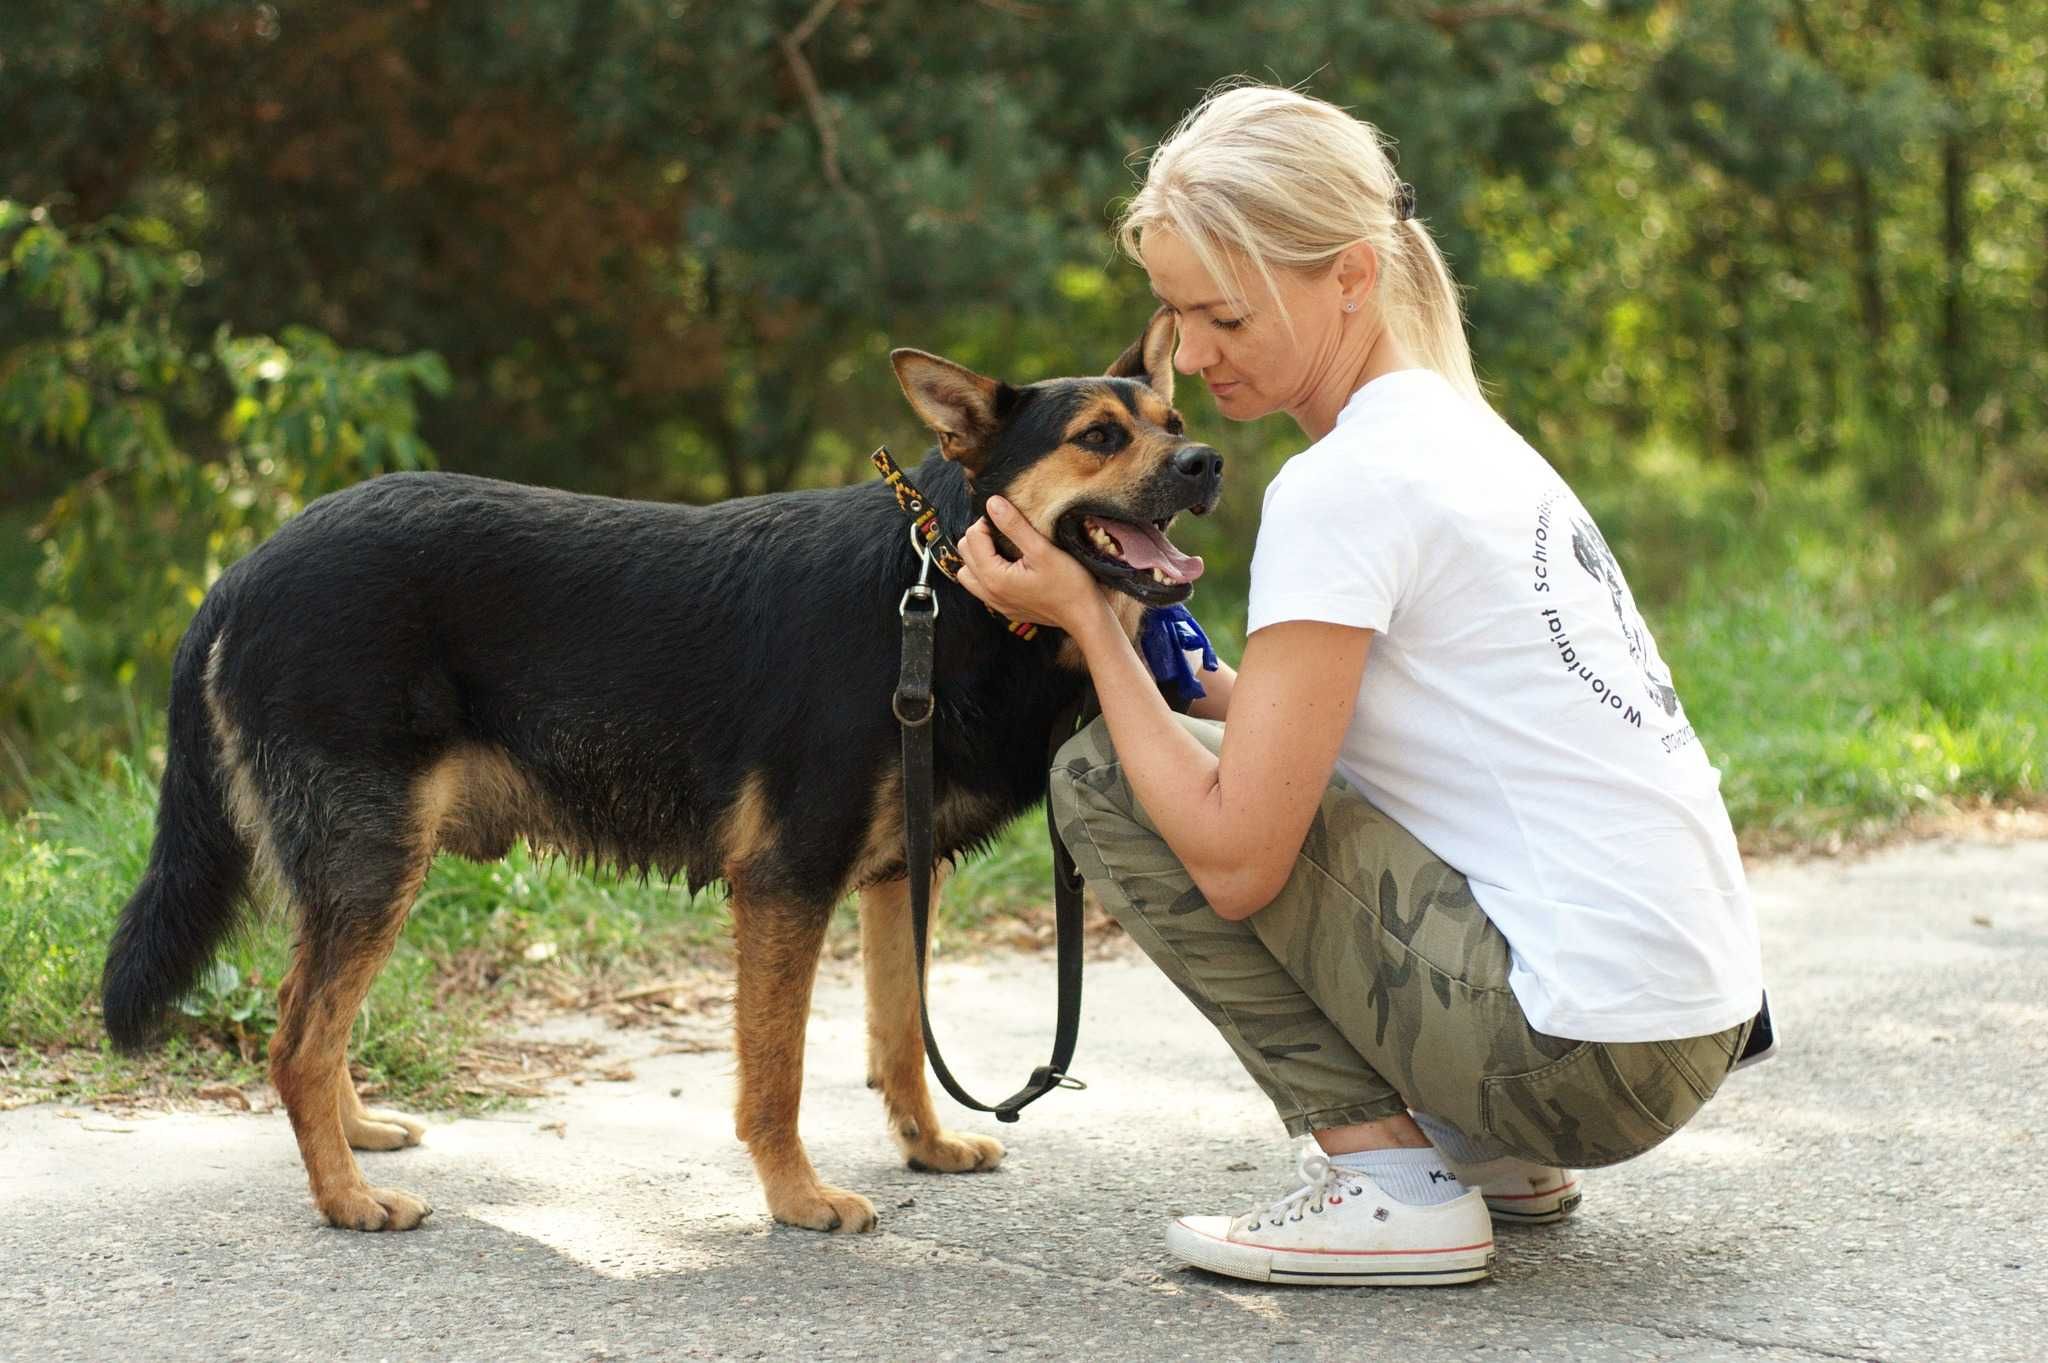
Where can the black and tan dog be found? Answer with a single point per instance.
(431, 662)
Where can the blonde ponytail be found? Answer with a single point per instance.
(1286, 181)
(1426, 298)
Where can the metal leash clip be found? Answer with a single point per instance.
(921, 589)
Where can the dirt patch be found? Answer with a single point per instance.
(1996, 824)
(687, 1007)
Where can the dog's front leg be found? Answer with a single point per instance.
(778, 946)
(896, 1041)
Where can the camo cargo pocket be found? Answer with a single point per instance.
(1582, 1111)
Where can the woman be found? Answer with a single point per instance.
(1455, 880)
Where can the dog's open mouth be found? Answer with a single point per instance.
(1135, 557)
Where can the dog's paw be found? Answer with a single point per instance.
(381, 1130)
(364, 1208)
(954, 1153)
(823, 1207)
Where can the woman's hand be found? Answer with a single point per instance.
(1046, 586)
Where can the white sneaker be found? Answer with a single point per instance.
(1518, 1191)
(1340, 1229)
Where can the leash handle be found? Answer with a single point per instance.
(919, 611)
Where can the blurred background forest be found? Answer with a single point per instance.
(1743, 270)
(1766, 279)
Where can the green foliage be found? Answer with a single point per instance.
(224, 997)
(1827, 722)
(1764, 278)
(186, 451)
(1847, 667)
(665, 247)
(65, 868)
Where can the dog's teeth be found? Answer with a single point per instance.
(1158, 576)
(1104, 541)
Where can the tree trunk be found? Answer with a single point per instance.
(1742, 432)
(1869, 266)
(1869, 259)
(1739, 420)
(1955, 250)
(2042, 288)
(1955, 228)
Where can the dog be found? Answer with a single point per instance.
(431, 662)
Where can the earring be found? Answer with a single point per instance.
(1351, 307)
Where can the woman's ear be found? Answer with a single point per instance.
(1357, 272)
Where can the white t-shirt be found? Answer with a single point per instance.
(1514, 714)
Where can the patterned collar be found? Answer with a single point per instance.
(925, 528)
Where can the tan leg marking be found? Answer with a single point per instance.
(372, 1128)
(746, 831)
(436, 795)
(309, 1050)
(307, 1053)
(778, 960)
(896, 1042)
(246, 809)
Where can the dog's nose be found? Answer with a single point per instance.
(1198, 462)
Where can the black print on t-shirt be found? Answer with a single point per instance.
(1591, 550)
(1593, 555)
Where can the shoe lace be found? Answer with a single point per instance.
(1322, 1182)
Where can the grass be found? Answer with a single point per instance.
(481, 940)
(1831, 724)
(1845, 673)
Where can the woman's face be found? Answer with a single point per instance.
(1252, 362)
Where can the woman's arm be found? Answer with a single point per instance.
(1216, 686)
(1236, 820)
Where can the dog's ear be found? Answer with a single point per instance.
(962, 407)
(1150, 357)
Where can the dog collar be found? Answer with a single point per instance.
(925, 528)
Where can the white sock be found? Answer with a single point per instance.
(1455, 1143)
(1417, 1177)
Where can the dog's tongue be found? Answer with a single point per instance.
(1144, 547)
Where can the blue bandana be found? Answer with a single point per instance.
(1165, 637)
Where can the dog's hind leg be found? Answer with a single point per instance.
(896, 1041)
(778, 945)
(351, 905)
(373, 1128)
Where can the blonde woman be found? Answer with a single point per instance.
(1455, 879)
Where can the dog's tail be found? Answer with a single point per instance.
(197, 881)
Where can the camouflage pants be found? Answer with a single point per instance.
(1373, 983)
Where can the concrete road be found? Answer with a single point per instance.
(1875, 1193)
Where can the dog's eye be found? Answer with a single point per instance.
(1173, 423)
(1098, 437)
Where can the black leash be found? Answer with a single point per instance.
(914, 706)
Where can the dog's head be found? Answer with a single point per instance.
(1100, 466)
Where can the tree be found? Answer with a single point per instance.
(665, 246)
